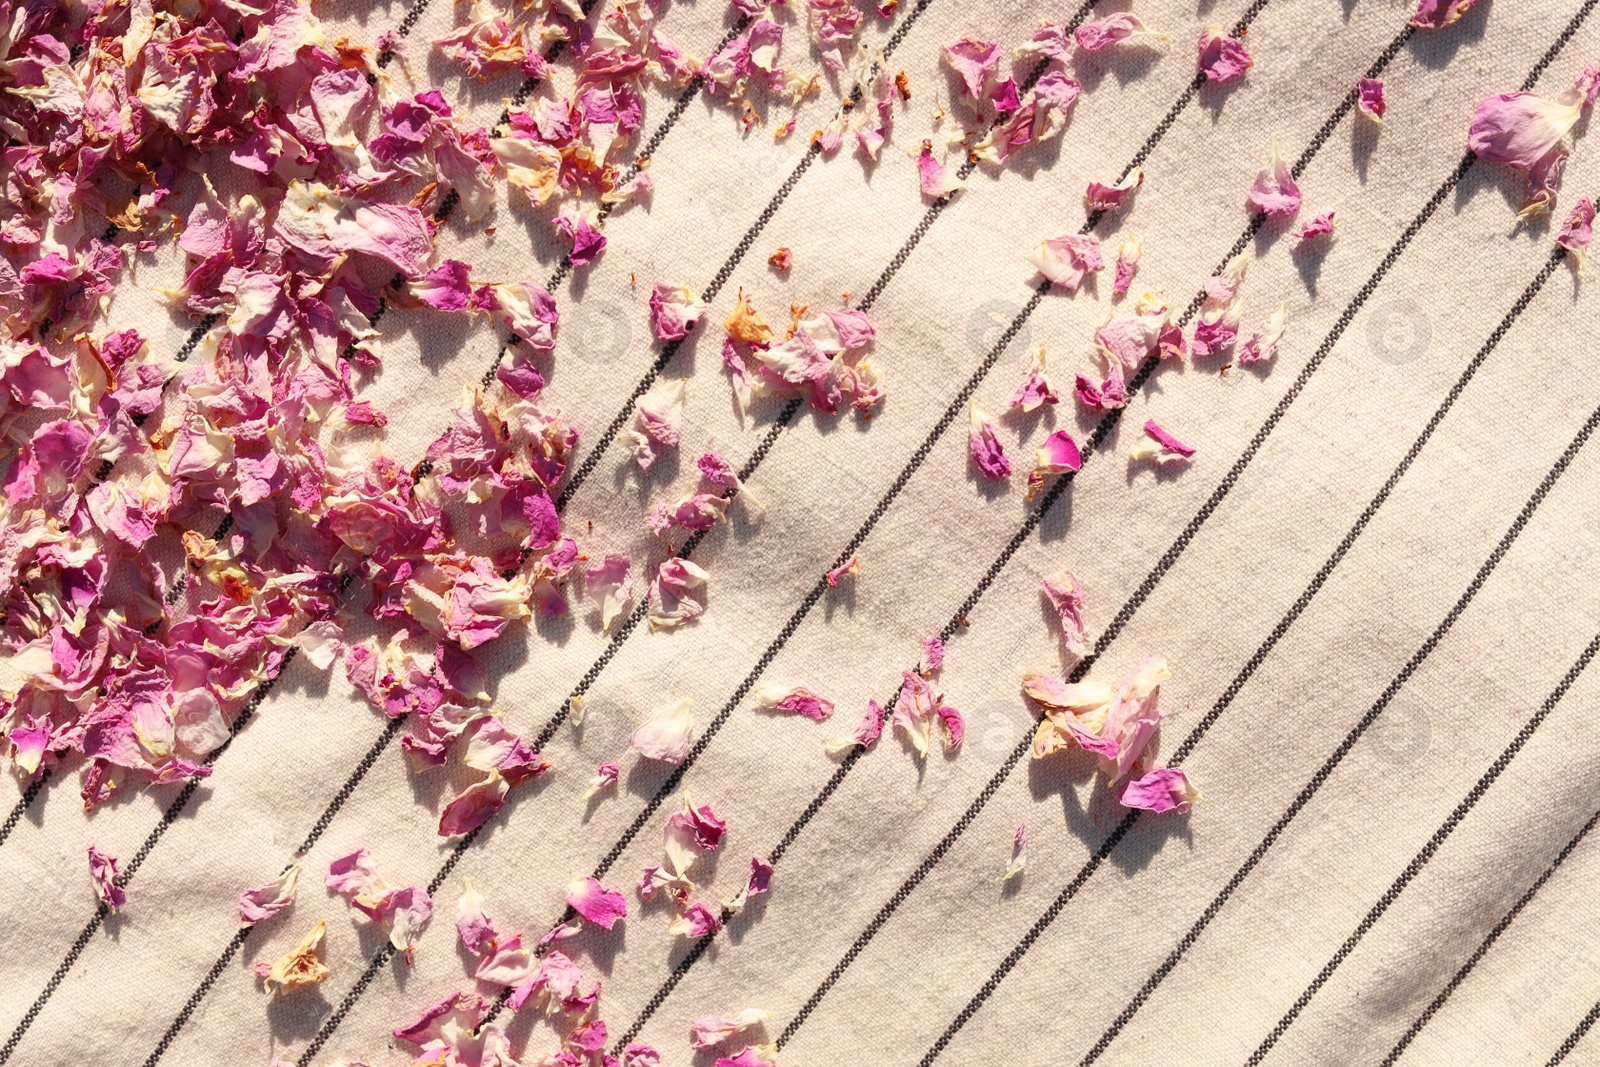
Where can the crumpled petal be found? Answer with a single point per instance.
(1577, 231)
(1223, 58)
(302, 965)
(1262, 344)
(264, 901)
(796, 701)
(1065, 260)
(105, 869)
(1113, 29)
(1371, 99)
(1066, 597)
(1019, 854)
(658, 421)
(1163, 789)
(1159, 445)
(678, 594)
(674, 311)
(1275, 191)
(1057, 454)
(984, 444)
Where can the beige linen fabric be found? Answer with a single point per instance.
(1308, 483)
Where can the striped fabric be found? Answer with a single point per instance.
(1373, 585)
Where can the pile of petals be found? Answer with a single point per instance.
(235, 494)
(1115, 724)
(821, 358)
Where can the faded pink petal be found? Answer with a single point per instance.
(264, 901)
(1577, 231)
(1274, 191)
(796, 701)
(975, 63)
(1065, 260)
(1164, 789)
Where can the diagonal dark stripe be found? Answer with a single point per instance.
(1576, 1036)
(34, 788)
(1488, 942)
(1426, 853)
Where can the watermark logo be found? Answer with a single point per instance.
(997, 727)
(1402, 734)
(597, 331)
(1399, 332)
(989, 322)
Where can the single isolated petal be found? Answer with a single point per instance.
(1223, 58)
(609, 583)
(678, 594)
(867, 731)
(710, 1030)
(849, 567)
(1577, 231)
(697, 920)
(1035, 388)
(1165, 789)
(302, 965)
(105, 869)
(1437, 14)
(987, 453)
(796, 701)
(782, 259)
(1065, 260)
(658, 421)
(1127, 263)
(604, 778)
(1263, 343)
(477, 931)
(1371, 99)
(1321, 224)
(674, 311)
(265, 901)
(1159, 445)
(1100, 197)
(1059, 453)
(936, 178)
(1274, 191)
(665, 736)
(1019, 853)
(932, 656)
(1066, 596)
(595, 902)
